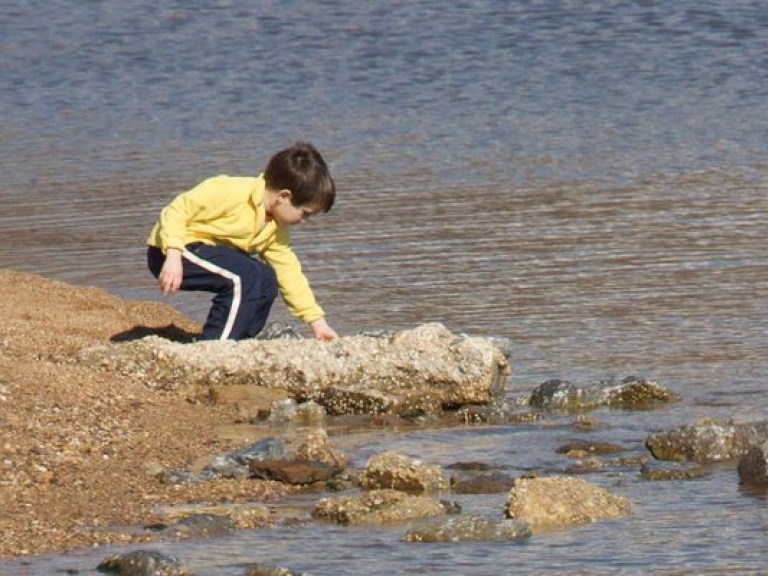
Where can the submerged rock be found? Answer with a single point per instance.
(471, 528)
(492, 483)
(235, 464)
(561, 501)
(707, 440)
(143, 563)
(349, 375)
(399, 472)
(182, 519)
(753, 467)
(264, 570)
(631, 392)
(377, 507)
(492, 413)
(671, 471)
(578, 448)
(204, 525)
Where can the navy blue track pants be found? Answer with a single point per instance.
(244, 287)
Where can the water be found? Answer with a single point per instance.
(586, 178)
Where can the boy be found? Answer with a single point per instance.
(229, 235)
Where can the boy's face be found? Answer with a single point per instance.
(287, 214)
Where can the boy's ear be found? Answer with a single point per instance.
(284, 194)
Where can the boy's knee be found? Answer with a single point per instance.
(263, 282)
(270, 277)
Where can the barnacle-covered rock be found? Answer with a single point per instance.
(707, 440)
(665, 470)
(377, 507)
(561, 501)
(399, 472)
(143, 563)
(471, 529)
(353, 374)
(631, 392)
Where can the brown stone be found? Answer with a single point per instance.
(292, 471)
(399, 472)
(377, 507)
(561, 501)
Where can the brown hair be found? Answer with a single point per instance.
(302, 170)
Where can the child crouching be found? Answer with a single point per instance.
(229, 235)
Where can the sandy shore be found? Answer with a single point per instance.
(81, 448)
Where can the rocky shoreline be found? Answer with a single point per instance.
(113, 419)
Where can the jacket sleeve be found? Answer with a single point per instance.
(293, 285)
(201, 202)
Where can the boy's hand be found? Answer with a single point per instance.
(172, 272)
(322, 330)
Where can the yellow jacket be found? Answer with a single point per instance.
(228, 211)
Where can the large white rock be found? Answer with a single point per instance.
(353, 374)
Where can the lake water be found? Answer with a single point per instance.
(587, 178)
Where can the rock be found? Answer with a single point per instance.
(420, 405)
(707, 440)
(561, 501)
(356, 399)
(471, 466)
(451, 507)
(493, 413)
(579, 448)
(198, 525)
(504, 344)
(471, 528)
(670, 471)
(295, 472)
(238, 516)
(349, 375)
(315, 445)
(753, 467)
(264, 570)
(310, 413)
(235, 464)
(399, 472)
(525, 417)
(586, 466)
(376, 507)
(279, 331)
(143, 563)
(288, 411)
(302, 459)
(631, 392)
(251, 403)
(283, 411)
(493, 483)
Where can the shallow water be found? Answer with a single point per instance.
(589, 180)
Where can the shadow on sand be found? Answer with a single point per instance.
(169, 332)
